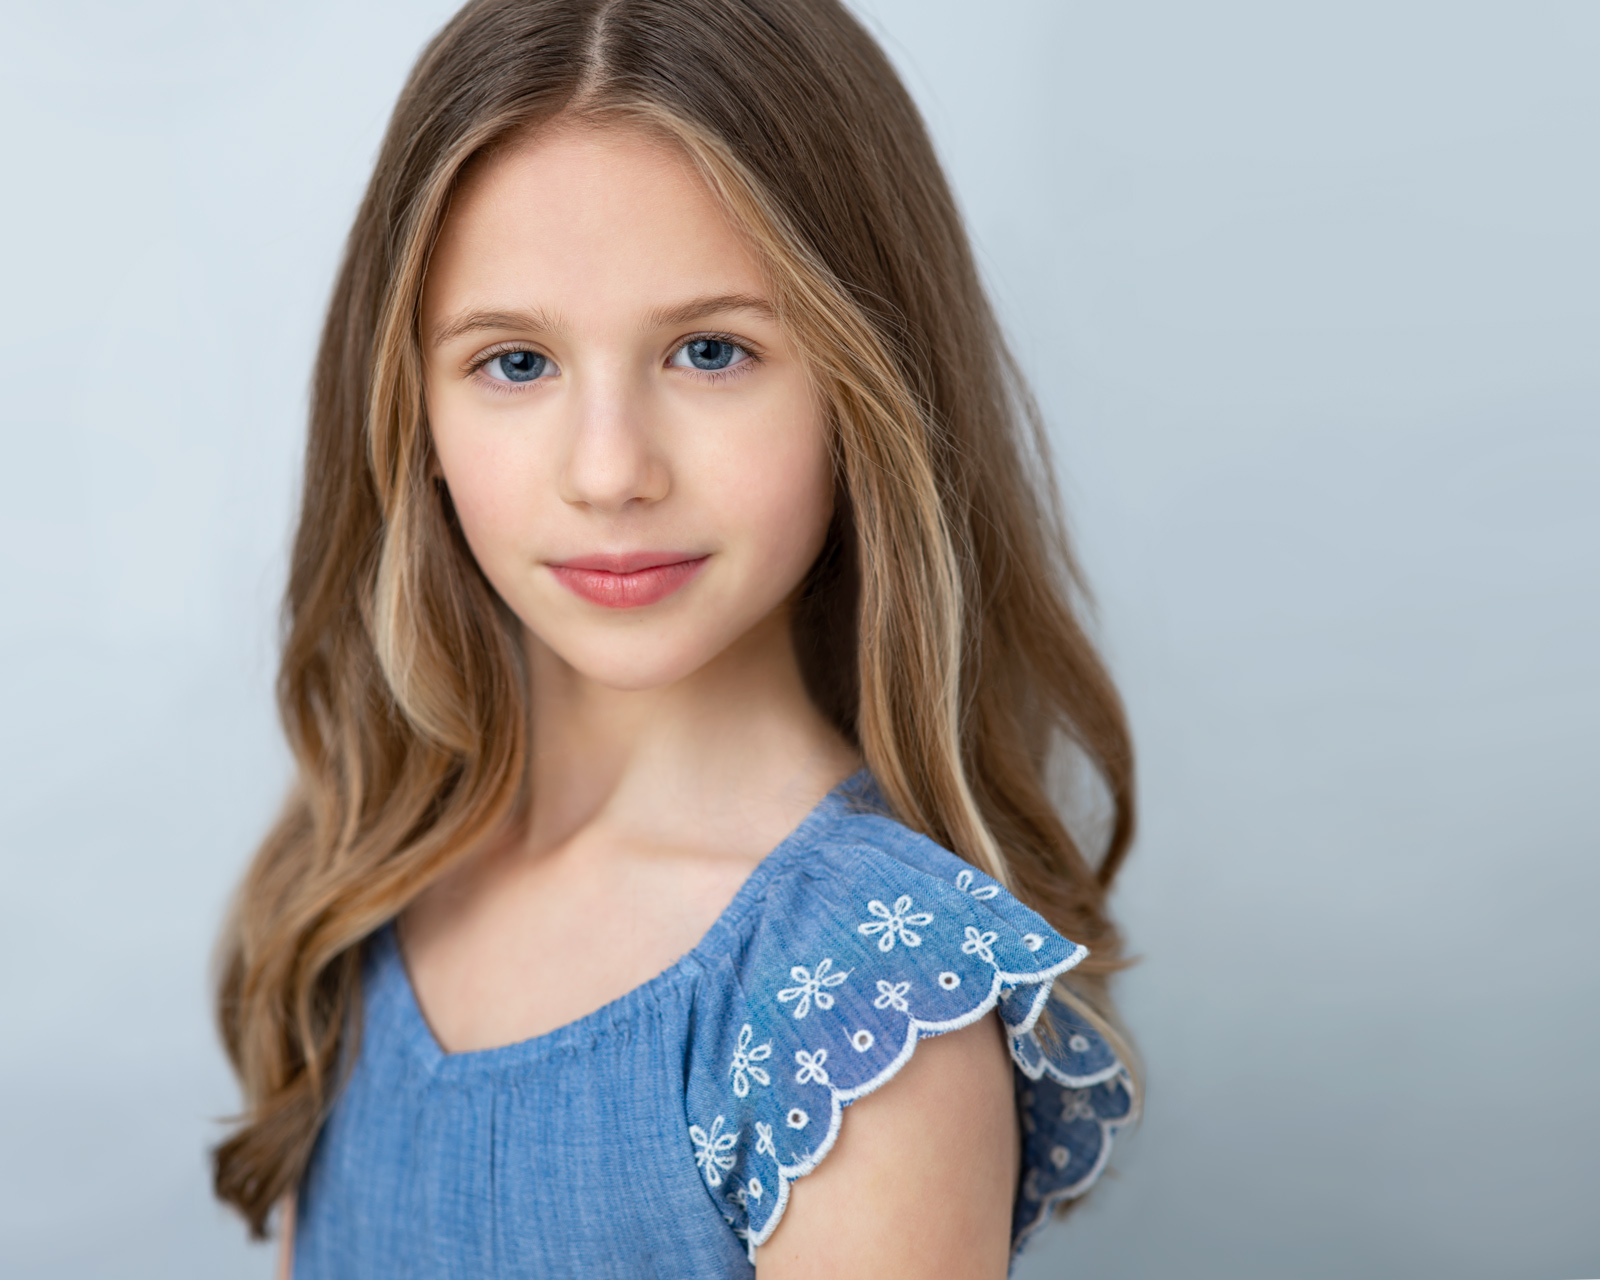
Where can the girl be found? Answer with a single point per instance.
(679, 638)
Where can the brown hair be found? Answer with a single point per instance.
(937, 628)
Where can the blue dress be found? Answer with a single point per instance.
(658, 1136)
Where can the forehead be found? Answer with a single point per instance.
(589, 223)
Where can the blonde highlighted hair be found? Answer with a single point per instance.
(937, 629)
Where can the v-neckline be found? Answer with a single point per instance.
(723, 930)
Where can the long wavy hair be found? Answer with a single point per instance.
(938, 628)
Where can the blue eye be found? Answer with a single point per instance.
(517, 366)
(709, 354)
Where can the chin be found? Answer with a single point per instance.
(637, 664)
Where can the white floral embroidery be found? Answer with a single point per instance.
(983, 892)
(893, 923)
(1075, 1105)
(1079, 1044)
(892, 995)
(764, 1143)
(711, 1150)
(1032, 941)
(812, 986)
(798, 1119)
(861, 1041)
(811, 1067)
(748, 1194)
(949, 981)
(744, 1069)
(1059, 1157)
(980, 944)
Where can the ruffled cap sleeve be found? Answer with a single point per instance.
(872, 940)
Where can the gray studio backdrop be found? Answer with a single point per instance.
(1309, 295)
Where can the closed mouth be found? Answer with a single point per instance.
(629, 580)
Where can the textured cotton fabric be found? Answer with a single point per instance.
(658, 1136)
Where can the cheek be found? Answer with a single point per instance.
(490, 479)
(778, 488)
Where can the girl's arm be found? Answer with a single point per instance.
(921, 1180)
(286, 1240)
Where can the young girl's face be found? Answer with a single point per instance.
(632, 446)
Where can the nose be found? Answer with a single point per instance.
(612, 461)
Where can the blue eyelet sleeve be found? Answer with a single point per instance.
(874, 938)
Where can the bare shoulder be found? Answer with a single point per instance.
(921, 1180)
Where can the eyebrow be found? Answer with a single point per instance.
(709, 305)
(473, 321)
(543, 322)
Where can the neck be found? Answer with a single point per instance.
(740, 732)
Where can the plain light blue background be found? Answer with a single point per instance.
(1311, 297)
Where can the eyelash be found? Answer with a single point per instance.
(475, 368)
(752, 358)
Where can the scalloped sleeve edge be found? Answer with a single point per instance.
(1002, 991)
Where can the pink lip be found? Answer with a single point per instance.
(628, 581)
